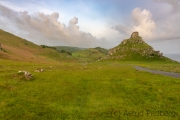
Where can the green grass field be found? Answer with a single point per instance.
(94, 91)
(78, 88)
(167, 67)
(91, 54)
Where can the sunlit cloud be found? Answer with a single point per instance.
(46, 28)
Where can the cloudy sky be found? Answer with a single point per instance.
(91, 23)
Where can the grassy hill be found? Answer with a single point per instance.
(102, 50)
(69, 48)
(16, 48)
(84, 54)
(91, 54)
(135, 49)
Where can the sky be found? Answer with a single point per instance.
(92, 23)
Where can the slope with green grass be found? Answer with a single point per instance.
(135, 49)
(91, 54)
(69, 48)
(16, 48)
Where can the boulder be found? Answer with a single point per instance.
(27, 75)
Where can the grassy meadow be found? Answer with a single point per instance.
(78, 88)
(87, 91)
(165, 67)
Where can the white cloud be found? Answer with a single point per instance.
(175, 4)
(164, 27)
(46, 29)
(168, 25)
(12, 6)
(141, 21)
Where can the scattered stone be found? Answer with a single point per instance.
(27, 75)
(100, 67)
(39, 70)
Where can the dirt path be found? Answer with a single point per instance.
(176, 75)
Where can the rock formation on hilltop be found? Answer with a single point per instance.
(134, 35)
(134, 48)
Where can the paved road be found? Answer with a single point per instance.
(176, 75)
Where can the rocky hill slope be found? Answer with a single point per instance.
(134, 48)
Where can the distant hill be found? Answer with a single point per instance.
(135, 49)
(69, 48)
(102, 50)
(90, 54)
(16, 48)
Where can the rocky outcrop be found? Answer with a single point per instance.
(134, 34)
(133, 48)
(111, 51)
